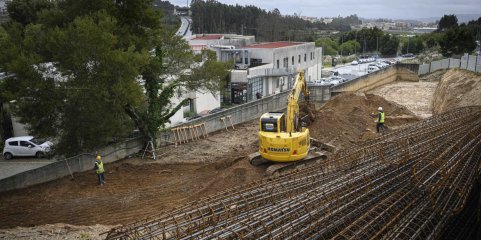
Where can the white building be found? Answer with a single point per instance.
(273, 68)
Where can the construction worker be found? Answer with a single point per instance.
(99, 169)
(380, 119)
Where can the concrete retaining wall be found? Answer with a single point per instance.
(238, 114)
(319, 94)
(398, 72)
(72, 165)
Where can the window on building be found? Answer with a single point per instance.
(285, 63)
(293, 60)
(299, 61)
(305, 57)
(277, 63)
(313, 55)
(255, 86)
(277, 83)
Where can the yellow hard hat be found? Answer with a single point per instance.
(99, 157)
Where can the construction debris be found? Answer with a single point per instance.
(416, 183)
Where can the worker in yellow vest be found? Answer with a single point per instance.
(380, 120)
(99, 169)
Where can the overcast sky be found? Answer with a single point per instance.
(394, 9)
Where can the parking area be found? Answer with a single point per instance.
(17, 165)
(357, 70)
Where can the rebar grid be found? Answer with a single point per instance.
(404, 185)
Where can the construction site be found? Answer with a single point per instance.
(421, 179)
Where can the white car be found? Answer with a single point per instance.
(337, 78)
(354, 62)
(26, 146)
(372, 68)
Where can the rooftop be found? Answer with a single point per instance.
(209, 37)
(273, 44)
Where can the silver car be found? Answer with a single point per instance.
(26, 146)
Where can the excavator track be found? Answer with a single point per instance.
(312, 158)
(274, 168)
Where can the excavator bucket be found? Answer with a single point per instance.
(307, 112)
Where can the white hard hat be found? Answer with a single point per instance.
(379, 109)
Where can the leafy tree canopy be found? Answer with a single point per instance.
(448, 21)
(88, 72)
(329, 46)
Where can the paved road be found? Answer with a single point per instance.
(18, 165)
(184, 29)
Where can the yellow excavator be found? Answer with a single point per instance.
(282, 136)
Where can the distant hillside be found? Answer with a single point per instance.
(214, 17)
(172, 21)
(462, 18)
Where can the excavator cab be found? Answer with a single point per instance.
(273, 122)
(278, 145)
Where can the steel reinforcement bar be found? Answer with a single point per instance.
(413, 183)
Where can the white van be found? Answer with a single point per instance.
(26, 146)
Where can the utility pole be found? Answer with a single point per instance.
(364, 48)
(342, 42)
(407, 50)
(355, 46)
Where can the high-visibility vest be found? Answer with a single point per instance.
(100, 167)
(382, 117)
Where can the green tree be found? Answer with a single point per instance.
(27, 11)
(77, 74)
(412, 45)
(329, 46)
(457, 41)
(390, 45)
(448, 21)
(350, 47)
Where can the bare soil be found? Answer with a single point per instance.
(345, 120)
(137, 188)
(457, 88)
(421, 95)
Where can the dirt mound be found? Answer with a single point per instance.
(458, 88)
(434, 76)
(345, 120)
(307, 111)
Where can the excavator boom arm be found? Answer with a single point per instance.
(292, 101)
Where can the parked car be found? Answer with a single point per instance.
(354, 62)
(337, 78)
(372, 68)
(215, 110)
(26, 146)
